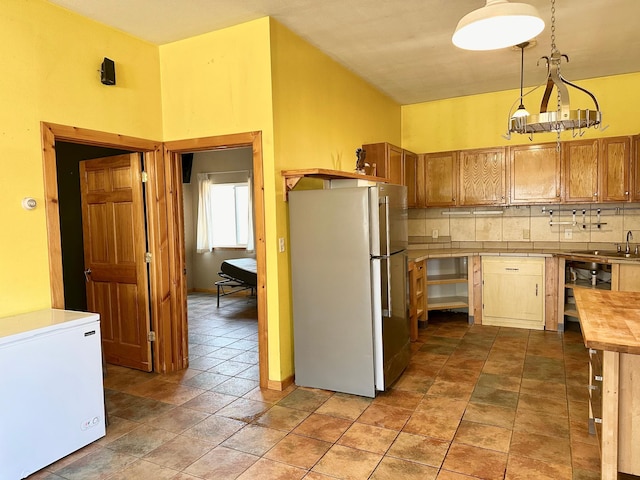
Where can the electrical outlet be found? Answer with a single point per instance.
(526, 234)
(434, 233)
(568, 234)
(281, 244)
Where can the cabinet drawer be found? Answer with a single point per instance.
(520, 266)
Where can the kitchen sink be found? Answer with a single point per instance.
(605, 253)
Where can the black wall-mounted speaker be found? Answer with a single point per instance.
(108, 72)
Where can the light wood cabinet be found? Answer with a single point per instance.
(615, 169)
(534, 174)
(513, 292)
(410, 163)
(597, 170)
(440, 179)
(635, 155)
(417, 296)
(482, 177)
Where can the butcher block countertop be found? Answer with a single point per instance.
(610, 320)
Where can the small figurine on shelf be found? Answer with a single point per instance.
(361, 165)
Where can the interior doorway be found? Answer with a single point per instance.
(166, 232)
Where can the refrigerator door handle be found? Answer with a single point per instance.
(386, 283)
(385, 241)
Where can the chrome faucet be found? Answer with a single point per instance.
(627, 250)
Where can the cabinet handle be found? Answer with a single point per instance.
(626, 193)
(597, 378)
(511, 269)
(536, 289)
(595, 194)
(597, 420)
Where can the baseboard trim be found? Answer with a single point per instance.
(280, 385)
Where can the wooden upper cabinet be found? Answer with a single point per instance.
(482, 178)
(615, 169)
(635, 154)
(388, 161)
(410, 162)
(440, 179)
(580, 171)
(534, 174)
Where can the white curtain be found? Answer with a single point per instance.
(250, 239)
(204, 229)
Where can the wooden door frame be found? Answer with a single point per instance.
(169, 353)
(173, 166)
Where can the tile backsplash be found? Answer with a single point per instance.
(563, 225)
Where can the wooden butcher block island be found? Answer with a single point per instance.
(610, 322)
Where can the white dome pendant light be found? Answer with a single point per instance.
(499, 24)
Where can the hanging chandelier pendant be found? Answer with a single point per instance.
(563, 118)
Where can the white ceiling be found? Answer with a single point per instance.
(401, 47)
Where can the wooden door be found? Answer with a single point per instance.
(410, 162)
(580, 171)
(535, 174)
(113, 227)
(615, 167)
(441, 179)
(482, 178)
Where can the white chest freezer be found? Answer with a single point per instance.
(51, 394)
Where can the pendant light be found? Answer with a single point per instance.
(562, 118)
(499, 24)
(521, 111)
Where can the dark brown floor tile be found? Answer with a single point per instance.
(459, 375)
(542, 388)
(483, 436)
(539, 404)
(345, 462)
(304, 399)
(442, 406)
(265, 468)
(474, 461)
(507, 368)
(451, 389)
(457, 361)
(585, 456)
(214, 429)
(395, 468)
(579, 432)
(177, 420)
(420, 449)
(117, 427)
(541, 447)
(282, 418)
(368, 437)
(579, 474)
(302, 452)
(221, 462)
(344, 406)
(502, 382)
(385, 416)
(428, 424)
(254, 439)
(490, 415)
(523, 468)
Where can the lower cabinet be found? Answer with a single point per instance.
(513, 292)
(448, 284)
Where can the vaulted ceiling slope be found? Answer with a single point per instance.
(402, 48)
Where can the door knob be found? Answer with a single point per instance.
(87, 272)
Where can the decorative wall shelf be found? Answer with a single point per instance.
(292, 177)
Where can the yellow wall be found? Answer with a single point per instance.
(322, 114)
(481, 120)
(50, 60)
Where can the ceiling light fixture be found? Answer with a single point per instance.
(563, 118)
(499, 24)
(521, 111)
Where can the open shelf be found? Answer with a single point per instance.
(587, 284)
(443, 303)
(446, 279)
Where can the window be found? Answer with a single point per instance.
(230, 214)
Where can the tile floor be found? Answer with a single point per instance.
(475, 402)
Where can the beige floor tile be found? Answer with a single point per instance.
(221, 463)
(541, 447)
(523, 468)
(214, 429)
(178, 453)
(282, 418)
(140, 441)
(209, 402)
(395, 469)
(323, 427)
(541, 423)
(178, 420)
(344, 406)
(244, 409)
(420, 449)
(268, 469)
(474, 461)
(483, 436)
(347, 463)
(368, 437)
(254, 439)
(143, 470)
(385, 416)
(302, 452)
(399, 398)
(447, 475)
(490, 415)
(430, 425)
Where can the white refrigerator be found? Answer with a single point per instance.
(52, 397)
(349, 286)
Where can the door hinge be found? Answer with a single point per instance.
(152, 336)
(144, 176)
(147, 257)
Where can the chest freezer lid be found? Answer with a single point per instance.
(26, 325)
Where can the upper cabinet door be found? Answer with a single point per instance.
(615, 167)
(440, 179)
(387, 160)
(580, 171)
(395, 165)
(535, 174)
(410, 162)
(636, 168)
(482, 179)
